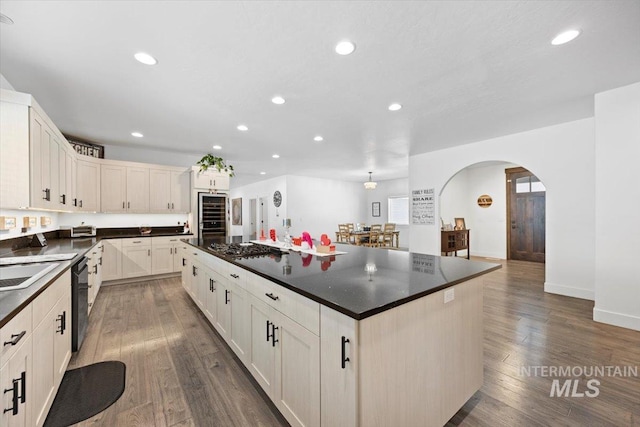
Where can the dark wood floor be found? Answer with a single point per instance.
(180, 373)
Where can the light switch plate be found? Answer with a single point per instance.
(449, 295)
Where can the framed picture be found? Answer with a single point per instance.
(236, 211)
(460, 224)
(375, 209)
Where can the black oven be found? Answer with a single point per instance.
(79, 302)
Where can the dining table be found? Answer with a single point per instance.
(360, 237)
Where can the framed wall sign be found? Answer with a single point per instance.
(375, 209)
(86, 148)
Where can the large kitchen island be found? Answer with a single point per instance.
(371, 337)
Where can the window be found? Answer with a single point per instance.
(529, 184)
(399, 210)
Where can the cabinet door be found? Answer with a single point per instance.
(63, 197)
(73, 194)
(180, 194)
(137, 190)
(17, 373)
(43, 163)
(223, 303)
(69, 177)
(162, 258)
(88, 185)
(239, 322)
(160, 190)
(211, 281)
(261, 358)
(43, 369)
(183, 258)
(113, 187)
(112, 259)
(136, 261)
(62, 337)
(177, 257)
(297, 378)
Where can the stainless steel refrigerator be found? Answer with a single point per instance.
(213, 215)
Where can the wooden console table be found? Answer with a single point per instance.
(454, 241)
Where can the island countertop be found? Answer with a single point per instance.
(362, 282)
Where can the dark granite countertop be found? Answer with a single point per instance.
(343, 283)
(11, 302)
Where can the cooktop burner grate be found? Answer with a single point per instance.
(238, 250)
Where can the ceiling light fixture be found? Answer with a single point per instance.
(263, 173)
(278, 100)
(137, 134)
(5, 19)
(242, 128)
(276, 156)
(565, 37)
(395, 107)
(217, 147)
(145, 58)
(318, 138)
(345, 47)
(370, 185)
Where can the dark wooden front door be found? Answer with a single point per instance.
(526, 216)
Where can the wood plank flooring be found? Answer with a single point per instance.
(180, 372)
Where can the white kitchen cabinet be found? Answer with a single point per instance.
(136, 257)
(223, 310)
(51, 345)
(88, 184)
(137, 189)
(94, 264)
(162, 254)
(262, 353)
(212, 280)
(111, 259)
(168, 191)
(66, 187)
(44, 163)
(15, 379)
(238, 300)
(113, 188)
(209, 179)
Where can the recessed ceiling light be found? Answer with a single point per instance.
(276, 156)
(395, 107)
(263, 173)
(345, 47)
(5, 19)
(243, 128)
(565, 37)
(137, 134)
(217, 147)
(278, 100)
(318, 138)
(145, 58)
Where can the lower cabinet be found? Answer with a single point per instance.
(112, 259)
(94, 264)
(164, 255)
(15, 380)
(136, 257)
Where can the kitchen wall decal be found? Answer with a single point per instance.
(423, 207)
(236, 211)
(485, 201)
(86, 148)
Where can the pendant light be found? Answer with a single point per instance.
(370, 185)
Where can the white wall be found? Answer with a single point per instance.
(384, 190)
(561, 156)
(257, 190)
(318, 205)
(19, 214)
(617, 114)
(4, 83)
(121, 220)
(146, 154)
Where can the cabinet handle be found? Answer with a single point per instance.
(100, 261)
(211, 285)
(90, 304)
(272, 296)
(122, 205)
(102, 249)
(210, 182)
(62, 318)
(80, 203)
(148, 252)
(172, 206)
(235, 276)
(184, 262)
(15, 338)
(137, 241)
(23, 381)
(128, 205)
(273, 335)
(14, 399)
(194, 270)
(95, 269)
(75, 202)
(168, 205)
(63, 199)
(226, 296)
(344, 359)
(268, 334)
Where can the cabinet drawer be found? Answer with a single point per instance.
(236, 275)
(165, 240)
(48, 299)
(136, 241)
(295, 306)
(14, 328)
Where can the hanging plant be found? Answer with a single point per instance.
(209, 160)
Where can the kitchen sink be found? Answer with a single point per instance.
(22, 276)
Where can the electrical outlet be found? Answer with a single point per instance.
(449, 295)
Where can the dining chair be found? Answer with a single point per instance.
(387, 235)
(343, 233)
(374, 238)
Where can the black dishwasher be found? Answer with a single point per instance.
(79, 302)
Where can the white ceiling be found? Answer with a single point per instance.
(463, 70)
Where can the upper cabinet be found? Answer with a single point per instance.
(210, 179)
(168, 191)
(88, 185)
(124, 188)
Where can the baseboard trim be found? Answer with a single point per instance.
(616, 319)
(139, 279)
(569, 291)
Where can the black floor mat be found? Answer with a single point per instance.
(85, 392)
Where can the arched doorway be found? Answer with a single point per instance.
(489, 224)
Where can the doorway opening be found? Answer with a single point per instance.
(526, 207)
